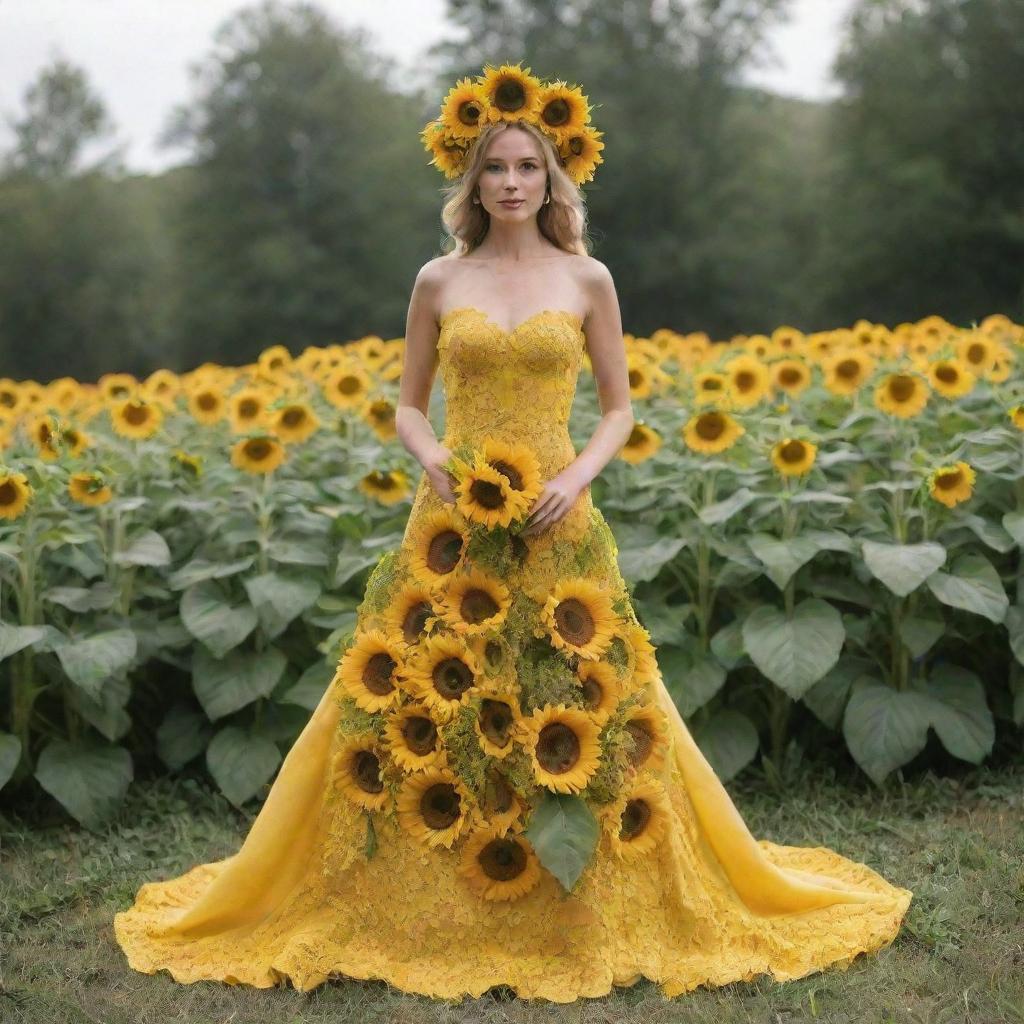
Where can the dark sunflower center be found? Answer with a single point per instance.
(558, 748)
(947, 374)
(248, 408)
(509, 95)
(502, 859)
(136, 415)
(496, 721)
(848, 369)
(510, 473)
(710, 426)
(976, 353)
(947, 481)
(642, 741)
(574, 621)
(444, 551)
(744, 381)
(348, 385)
(793, 451)
(593, 691)
(487, 494)
(498, 794)
(452, 677)
(420, 734)
(439, 805)
(478, 605)
(293, 417)
(635, 816)
(790, 376)
(257, 450)
(377, 673)
(556, 113)
(367, 771)
(469, 112)
(8, 493)
(207, 401)
(415, 620)
(901, 387)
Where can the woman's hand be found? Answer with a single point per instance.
(554, 501)
(440, 478)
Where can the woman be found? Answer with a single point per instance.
(497, 788)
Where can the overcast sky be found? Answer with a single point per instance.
(137, 52)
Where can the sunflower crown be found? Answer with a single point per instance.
(512, 93)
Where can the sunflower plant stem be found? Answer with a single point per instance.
(705, 596)
(23, 689)
(781, 702)
(263, 505)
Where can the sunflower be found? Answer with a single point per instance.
(600, 685)
(447, 154)
(485, 495)
(749, 380)
(638, 376)
(499, 865)
(501, 807)
(10, 395)
(497, 723)
(443, 675)
(902, 394)
(274, 361)
(647, 727)
(247, 409)
(162, 386)
(710, 388)
(73, 440)
(347, 387)
(1000, 370)
(371, 670)
(711, 432)
(206, 403)
(977, 351)
(89, 488)
(380, 414)
(578, 617)
(294, 423)
(791, 376)
(638, 820)
(413, 739)
(411, 614)
(15, 493)
(356, 769)
(517, 463)
(563, 745)
(792, 456)
(474, 602)
(190, 464)
(45, 433)
(643, 442)
(563, 109)
(1016, 415)
(463, 110)
(643, 666)
(438, 546)
(434, 806)
(580, 151)
(116, 387)
(388, 486)
(951, 484)
(258, 454)
(950, 378)
(136, 418)
(846, 371)
(511, 92)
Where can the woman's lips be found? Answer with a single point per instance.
(511, 203)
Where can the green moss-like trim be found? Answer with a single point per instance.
(382, 583)
(616, 743)
(355, 720)
(545, 677)
(465, 756)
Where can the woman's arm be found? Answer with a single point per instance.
(418, 370)
(603, 329)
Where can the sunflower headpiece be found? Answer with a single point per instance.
(512, 93)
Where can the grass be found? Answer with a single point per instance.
(957, 841)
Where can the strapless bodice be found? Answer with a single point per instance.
(513, 385)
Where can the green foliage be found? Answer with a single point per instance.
(564, 834)
(465, 755)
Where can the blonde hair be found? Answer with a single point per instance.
(562, 221)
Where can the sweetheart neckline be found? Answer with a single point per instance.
(533, 316)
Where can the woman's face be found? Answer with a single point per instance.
(513, 169)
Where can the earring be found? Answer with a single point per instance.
(476, 199)
(547, 198)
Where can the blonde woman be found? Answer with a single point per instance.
(497, 788)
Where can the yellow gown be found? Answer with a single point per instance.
(675, 887)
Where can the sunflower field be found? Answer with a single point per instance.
(822, 534)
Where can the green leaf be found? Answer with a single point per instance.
(310, 686)
(885, 728)
(202, 569)
(973, 585)
(1014, 622)
(722, 511)
(17, 638)
(1013, 523)
(182, 735)
(98, 597)
(227, 684)
(902, 567)
(297, 552)
(88, 779)
(782, 558)
(794, 653)
(241, 763)
(10, 755)
(920, 635)
(729, 741)
(960, 713)
(564, 834)
(89, 662)
(148, 548)
(727, 644)
(349, 563)
(278, 599)
(643, 551)
(105, 713)
(209, 616)
(691, 684)
(827, 697)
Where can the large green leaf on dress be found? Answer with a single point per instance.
(564, 834)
